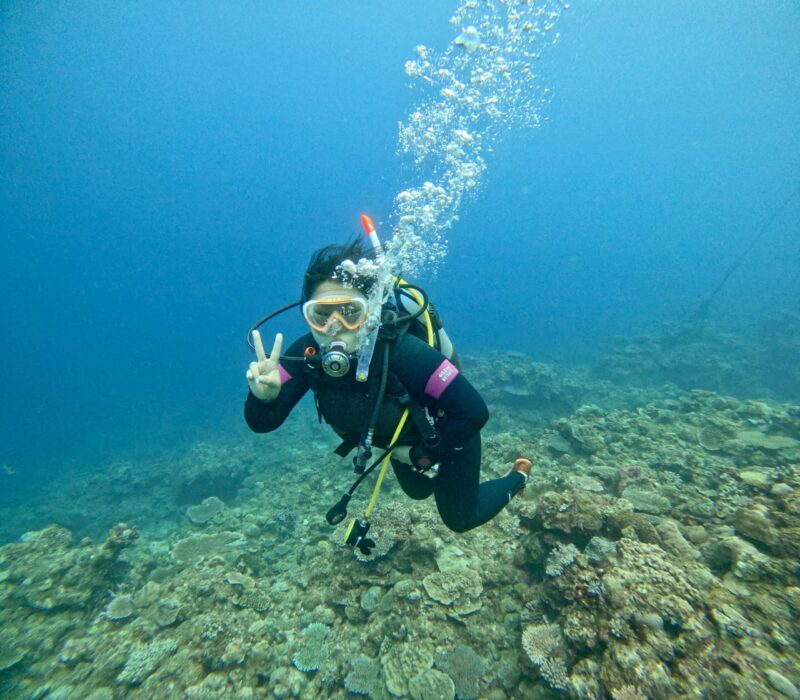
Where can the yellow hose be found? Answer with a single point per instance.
(374, 499)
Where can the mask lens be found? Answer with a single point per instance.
(320, 314)
(350, 312)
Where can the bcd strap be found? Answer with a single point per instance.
(419, 416)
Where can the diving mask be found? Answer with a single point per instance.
(323, 313)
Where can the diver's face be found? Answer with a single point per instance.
(337, 332)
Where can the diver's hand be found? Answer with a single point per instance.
(263, 375)
(402, 453)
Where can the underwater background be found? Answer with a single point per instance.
(619, 274)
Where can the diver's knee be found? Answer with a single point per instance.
(414, 485)
(456, 523)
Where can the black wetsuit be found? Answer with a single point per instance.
(424, 374)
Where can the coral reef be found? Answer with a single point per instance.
(703, 355)
(654, 554)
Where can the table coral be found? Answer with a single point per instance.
(459, 589)
(464, 666)
(192, 548)
(205, 511)
(364, 677)
(313, 649)
(404, 661)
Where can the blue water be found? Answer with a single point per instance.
(168, 169)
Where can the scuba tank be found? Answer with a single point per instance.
(441, 341)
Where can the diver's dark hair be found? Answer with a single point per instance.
(323, 264)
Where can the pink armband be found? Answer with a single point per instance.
(440, 379)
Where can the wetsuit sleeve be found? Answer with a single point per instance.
(435, 383)
(265, 416)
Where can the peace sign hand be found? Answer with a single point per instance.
(263, 375)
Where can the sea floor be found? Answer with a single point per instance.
(653, 554)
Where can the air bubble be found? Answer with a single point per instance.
(482, 86)
(470, 39)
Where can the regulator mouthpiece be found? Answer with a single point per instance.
(336, 361)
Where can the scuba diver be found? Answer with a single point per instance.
(438, 450)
